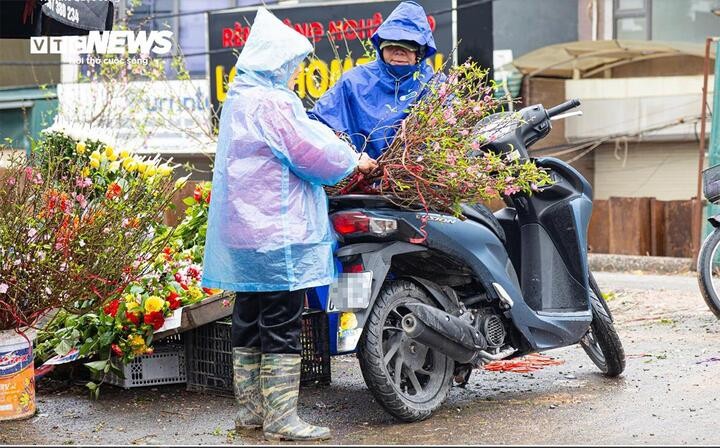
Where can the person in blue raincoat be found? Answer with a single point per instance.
(369, 101)
(269, 236)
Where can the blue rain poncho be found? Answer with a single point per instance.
(268, 228)
(369, 101)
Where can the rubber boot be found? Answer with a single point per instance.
(246, 382)
(280, 380)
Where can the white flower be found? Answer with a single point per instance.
(3, 288)
(82, 243)
(32, 233)
(48, 291)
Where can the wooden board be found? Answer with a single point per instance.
(629, 227)
(201, 313)
(599, 229)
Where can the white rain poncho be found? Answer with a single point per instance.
(268, 228)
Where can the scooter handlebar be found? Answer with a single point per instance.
(563, 107)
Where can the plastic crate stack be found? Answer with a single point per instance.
(209, 355)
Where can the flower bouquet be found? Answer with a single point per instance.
(437, 159)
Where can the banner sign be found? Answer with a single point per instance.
(340, 33)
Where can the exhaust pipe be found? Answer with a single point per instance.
(443, 332)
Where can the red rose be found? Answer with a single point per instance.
(155, 319)
(173, 300)
(132, 317)
(112, 308)
(197, 194)
(208, 291)
(184, 285)
(207, 199)
(117, 350)
(178, 277)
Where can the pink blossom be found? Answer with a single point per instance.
(490, 191)
(3, 288)
(452, 174)
(451, 159)
(17, 262)
(449, 116)
(83, 182)
(443, 91)
(106, 230)
(11, 181)
(511, 190)
(81, 200)
(464, 132)
(124, 222)
(32, 233)
(29, 173)
(477, 109)
(475, 145)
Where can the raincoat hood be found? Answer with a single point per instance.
(407, 22)
(263, 59)
(370, 100)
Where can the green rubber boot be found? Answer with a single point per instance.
(280, 381)
(246, 382)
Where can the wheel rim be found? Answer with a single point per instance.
(592, 347)
(415, 371)
(714, 269)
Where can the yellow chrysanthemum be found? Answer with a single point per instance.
(195, 293)
(150, 171)
(80, 148)
(137, 343)
(153, 303)
(86, 172)
(164, 170)
(95, 163)
(95, 155)
(124, 154)
(110, 153)
(141, 166)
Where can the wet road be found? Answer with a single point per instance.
(668, 394)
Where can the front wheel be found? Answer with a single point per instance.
(709, 266)
(601, 342)
(408, 379)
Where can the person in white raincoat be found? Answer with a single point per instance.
(269, 236)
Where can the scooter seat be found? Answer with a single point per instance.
(483, 215)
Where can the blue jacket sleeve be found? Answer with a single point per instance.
(332, 108)
(309, 148)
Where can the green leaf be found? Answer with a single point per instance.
(189, 201)
(92, 386)
(63, 348)
(97, 365)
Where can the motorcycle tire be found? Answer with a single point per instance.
(602, 343)
(704, 268)
(425, 375)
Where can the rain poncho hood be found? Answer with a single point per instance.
(268, 227)
(369, 101)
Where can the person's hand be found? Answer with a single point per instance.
(366, 164)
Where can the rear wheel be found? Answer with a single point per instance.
(709, 272)
(601, 342)
(408, 379)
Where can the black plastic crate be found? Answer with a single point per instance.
(209, 355)
(711, 183)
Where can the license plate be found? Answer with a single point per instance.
(351, 291)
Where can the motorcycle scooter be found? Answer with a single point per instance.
(426, 297)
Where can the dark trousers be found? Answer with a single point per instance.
(269, 321)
